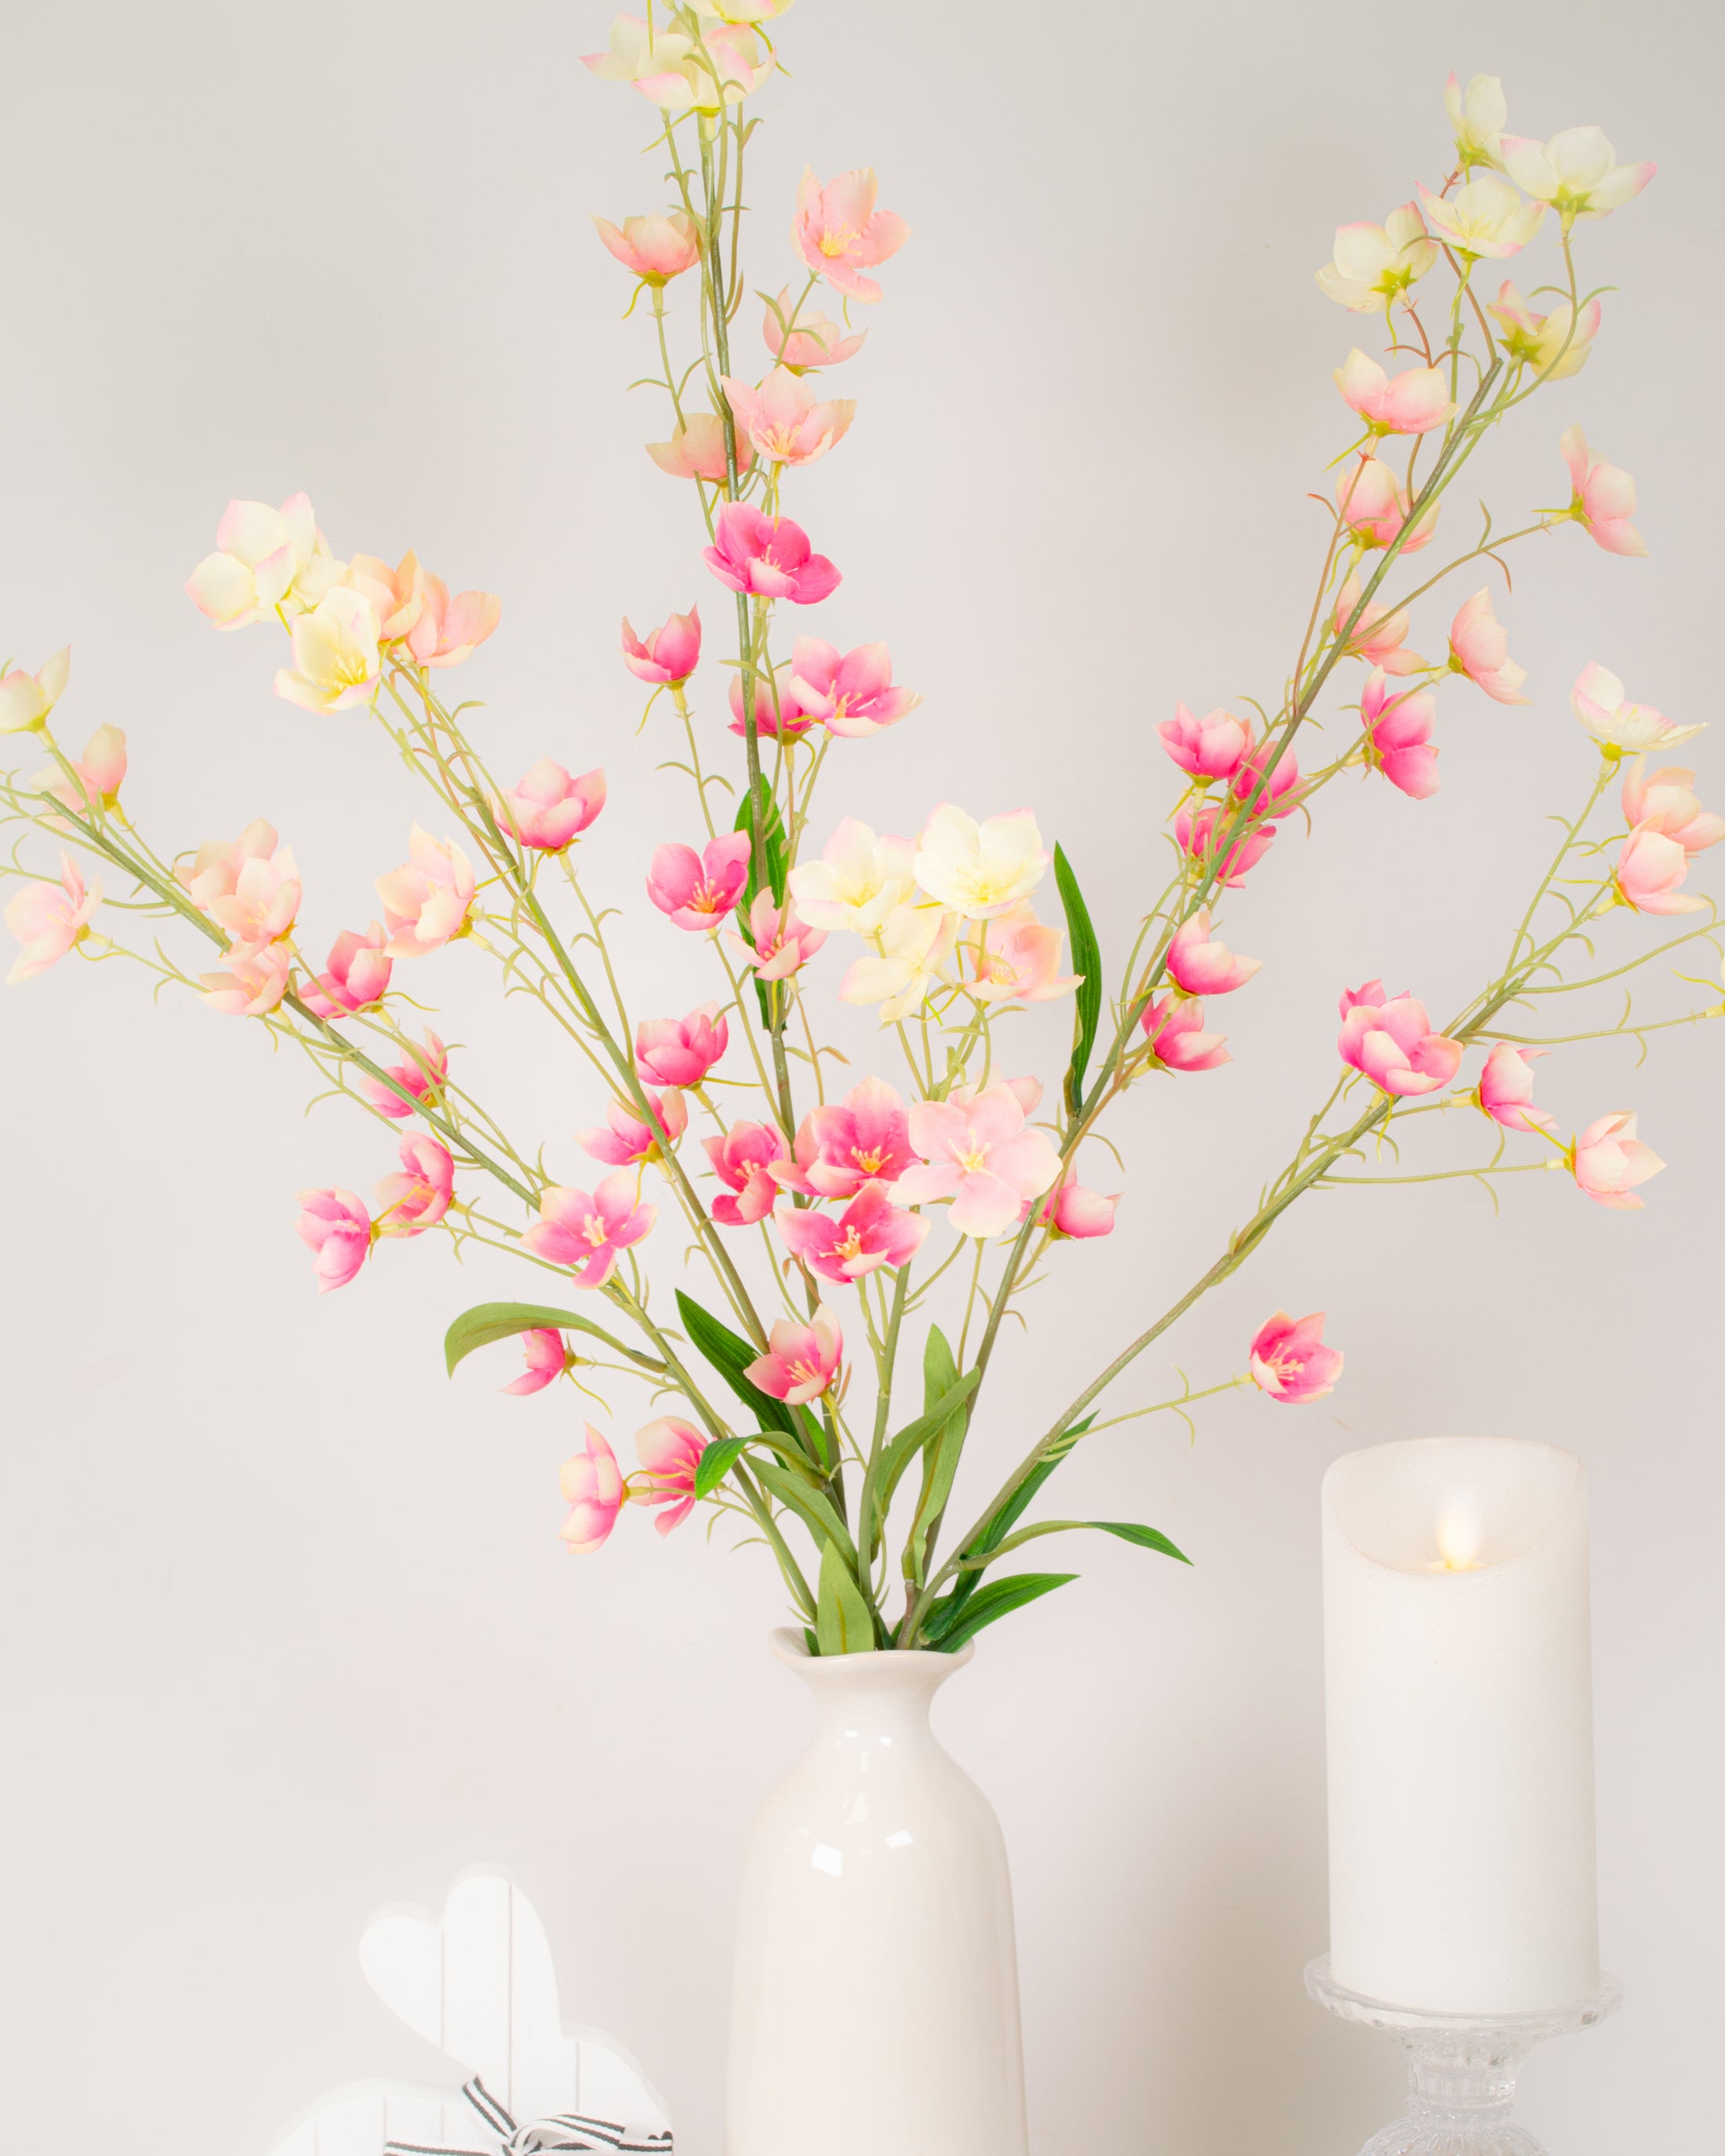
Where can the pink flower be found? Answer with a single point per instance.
(669, 1450)
(1505, 1092)
(740, 1160)
(1607, 1160)
(1378, 634)
(261, 907)
(423, 1074)
(1375, 505)
(1667, 796)
(654, 249)
(49, 918)
(839, 232)
(587, 1232)
(1174, 1026)
(336, 1229)
(253, 984)
(779, 944)
(427, 901)
(1409, 404)
(784, 419)
(548, 1357)
(864, 1138)
(1202, 968)
(1389, 1038)
(97, 776)
(671, 652)
(1197, 837)
(413, 609)
(697, 890)
(1015, 958)
(802, 1360)
(680, 1051)
(1210, 748)
(547, 809)
(592, 1483)
(358, 974)
(696, 449)
(853, 696)
(1278, 798)
(1071, 1211)
(408, 1203)
(1399, 735)
(1603, 498)
(778, 709)
(1479, 648)
(629, 1140)
(870, 1232)
(1290, 1361)
(215, 868)
(1649, 870)
(768, 556)
(982, 1154)
(811, 340)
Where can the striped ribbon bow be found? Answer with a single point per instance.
(540, 2137)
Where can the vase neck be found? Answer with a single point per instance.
(880, 1697)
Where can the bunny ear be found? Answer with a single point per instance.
(357, 2122)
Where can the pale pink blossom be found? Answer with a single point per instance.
(802, 1361)
(407, 1204)
(630, 1139)
(26, 699)
(1620, 727)
(1555, 345)
(1375, 507)
(778, 709)
(48, 919)
(653, 248)
(697, 890)
(808, 339)
(252, 985)
(779, 944)
(680, 1051)
(1602, 498)
(1649, 867)
(592, 1484)
(1390, 1040)
(1196, 835)
(1486, 219)
(858, 881)
(853, 695)
(547, 809)
(870, 1233)
(267, 562)
(1015, 958)
(742, 1159)
(336, 1229)
(97, 776)
(427, 901)
(1479, 648)
(980, 870)
(1477, 118)
(980, 1152)
(768, 556)
(415, 611)
(1576, 171)
(337, 661)
(669, 1450)
(1668, 797)
(548, 1357)
(1174, 1026)
(1279, 797)
(1505, 1092)
(215, 868)
(864, 1138)
(912, 948)
(1379, 636)
(587, 1232)
(1374, 265)
(1398, 736)
(1290, 1361)
(263, 904)
(784, 418)
(1607, 1160)
(839, 232)
(1412, 403)
(696, 449)
(423, 1076)
(1210, 748)
(670, 653)
(1069, 1211)
(1201, 966)
(356, 978)
(679, 73)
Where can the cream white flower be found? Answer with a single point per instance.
(912, 948)
(1618, 725)
(335, 661)
(26, 699)
(1375, 263)
(1487, 218)
(1537, 339)
(857, 882)
(1477, 116)
(265, 559)
(1577, 172)
(676, 72)
(979, 870)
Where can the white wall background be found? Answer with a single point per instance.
(288, 1632)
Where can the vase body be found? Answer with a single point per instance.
(875, 2007)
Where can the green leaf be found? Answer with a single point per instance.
(844, 1623)
(903, 1448)
(730, 1357)
(773, 838)
(998, 1599)
(1145, 1538)
(717, 1460)
(1001, 1524)
(1086, 960)
(940, 1461)
(489, 1322)
(815, 1509)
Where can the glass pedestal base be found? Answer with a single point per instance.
(1461, 2067)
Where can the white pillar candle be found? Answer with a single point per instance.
(1460, 1706)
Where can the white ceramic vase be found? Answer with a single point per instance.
(875, 2002)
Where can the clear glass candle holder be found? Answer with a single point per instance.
(1461, 2067)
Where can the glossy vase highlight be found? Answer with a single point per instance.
(875, 2002)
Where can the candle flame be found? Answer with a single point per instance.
(1460, 1537)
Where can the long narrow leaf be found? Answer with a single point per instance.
(903, 1448)
(716, 1462)
(1128, 1531)
(844, 1623)
(998, 1599)
(1086, 961)
(813, 1506)
(940, 1461)
(730, 1357)
(772, 833)
(489, 1322)
(992, 1536)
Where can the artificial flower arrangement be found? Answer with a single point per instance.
(828, 1215)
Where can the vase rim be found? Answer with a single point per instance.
(789, 1647)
